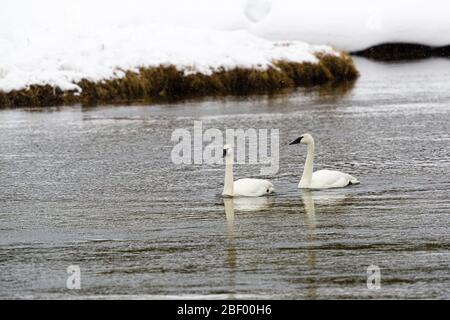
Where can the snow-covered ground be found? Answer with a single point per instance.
(58, 42)
(61, 42)
(54, 58)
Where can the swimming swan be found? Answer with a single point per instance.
(242, 187)
(321, 179)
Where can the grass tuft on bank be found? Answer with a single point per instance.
(167, 84)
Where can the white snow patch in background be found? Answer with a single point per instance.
(59, 42)
(61, 60)
(355, 25)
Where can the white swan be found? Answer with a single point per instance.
(321, 179)
(242, 187)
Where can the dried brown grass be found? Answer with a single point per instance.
(166, 83)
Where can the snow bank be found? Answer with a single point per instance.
(61, 60)
(61, 43)
(354, 24)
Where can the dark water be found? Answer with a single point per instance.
(96, 188)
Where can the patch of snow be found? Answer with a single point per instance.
(60, 44)
(355, 25)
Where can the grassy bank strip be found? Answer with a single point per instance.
(166, 83)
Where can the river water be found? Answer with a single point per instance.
(96, 188)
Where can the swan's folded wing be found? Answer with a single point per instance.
(330, 179)
(252, 187)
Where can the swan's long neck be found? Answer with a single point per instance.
(229, 181)
(305, 181)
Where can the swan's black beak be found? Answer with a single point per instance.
(224, 153)
(296, 141)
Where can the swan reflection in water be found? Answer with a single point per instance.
(328, 198)
(241, 204)
(230, 257)
(310, 222)
(252, 204)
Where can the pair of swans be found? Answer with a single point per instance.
(322, 179)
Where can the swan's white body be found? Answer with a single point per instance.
(242, 187)
(251, 187)
(322, 179)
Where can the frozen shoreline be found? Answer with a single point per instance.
(56, 50)
(165, 83)
(128, 61)
(61, 60)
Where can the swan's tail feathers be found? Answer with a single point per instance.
(353, 180)
(270, 187)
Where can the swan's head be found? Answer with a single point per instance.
(305, 138)
(227, 150)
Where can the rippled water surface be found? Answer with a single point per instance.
(96, 188)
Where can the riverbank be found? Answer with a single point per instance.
(170, 83)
